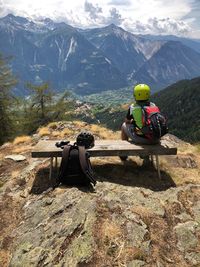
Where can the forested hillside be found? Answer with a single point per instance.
(181, 103)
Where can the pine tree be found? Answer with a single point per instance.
(44, 106)
(62, 108)
(40, 103)
(7, 81)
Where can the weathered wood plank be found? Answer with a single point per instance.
(104, 148)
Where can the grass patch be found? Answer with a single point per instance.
(56, 134)
(53, 125)
(44, 131)
(66, 132)
(22, 139)
(79, 123)
(198, 148)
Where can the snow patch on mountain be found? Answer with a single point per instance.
(121, 33)
(107, 60)
(62, 57)
(146, 47)
(72, 48)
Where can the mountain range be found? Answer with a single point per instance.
(94, 60)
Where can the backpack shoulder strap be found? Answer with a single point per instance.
(86, 168)
(144, 114)
(64, 161)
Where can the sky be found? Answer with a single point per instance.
(177, 17)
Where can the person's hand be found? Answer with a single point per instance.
(128, 121)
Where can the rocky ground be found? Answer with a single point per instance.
(131, 218)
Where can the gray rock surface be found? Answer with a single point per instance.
(16, 157)
(186, 235)
(136, 263)
(116, 225)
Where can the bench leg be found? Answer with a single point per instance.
(51, 167)
(158, 166)
(151, 158)
(56, 165)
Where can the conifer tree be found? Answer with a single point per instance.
(7, 82)
(62, 107)
(44, 106)
(41, 101)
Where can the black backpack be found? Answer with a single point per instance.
(158, 125)
(75, 168)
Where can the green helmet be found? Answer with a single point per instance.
(141, 92)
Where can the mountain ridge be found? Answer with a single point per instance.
(103, 59)
(175, 60)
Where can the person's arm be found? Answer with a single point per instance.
(128, 121)
(129, 117)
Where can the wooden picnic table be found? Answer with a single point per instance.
(104, 148)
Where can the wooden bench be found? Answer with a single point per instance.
(106, 148)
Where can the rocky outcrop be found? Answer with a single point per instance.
(16, 157)
(114, 225)
(131, 218)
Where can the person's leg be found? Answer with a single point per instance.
(127, 131)
(124, 136)
(143, 141)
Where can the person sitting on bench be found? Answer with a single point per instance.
(134, 121)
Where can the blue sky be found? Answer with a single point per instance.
(178, 17)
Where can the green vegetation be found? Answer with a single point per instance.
(41, 101)
(111, 118)
(41, 108)
(181, 103)
(106, 107)
(7, 82)
(20, 116)
(108, 98)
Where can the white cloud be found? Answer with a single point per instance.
(92, 10)
(120, 2)
(115, 17)
(152, 16)
(159, 26)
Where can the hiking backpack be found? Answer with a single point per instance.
(75, 168)
(154, 122)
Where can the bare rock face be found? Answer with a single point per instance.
(131, 218)
(185, 232)
(115, 224)
(56, 230)
(16, 157)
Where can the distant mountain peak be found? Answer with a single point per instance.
(38, 25)
(10, 18)
(51, 25)
(15, 23)
(113, 26)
